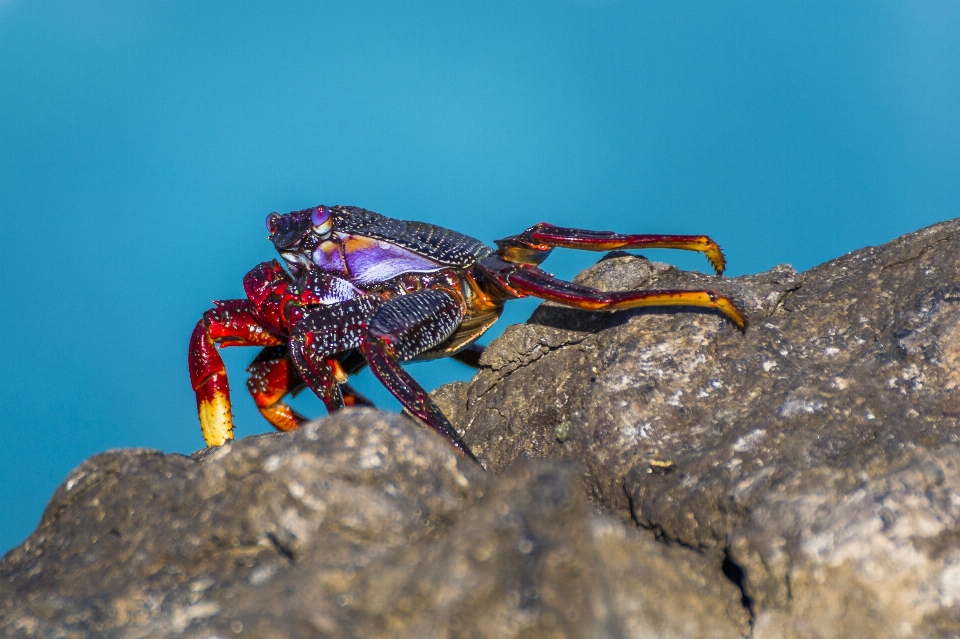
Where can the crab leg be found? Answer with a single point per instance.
(545, 236)
(229, 323)
(322, 376)
(323, 333)
(352, 363)
(352, 397)
(533, 281)
(272, 377)
(402, 329)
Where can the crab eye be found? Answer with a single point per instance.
(272, 223)
(322, 220)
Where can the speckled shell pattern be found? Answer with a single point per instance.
(441, 245)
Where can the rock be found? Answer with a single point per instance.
(653, 474)
(814, 456)
(360, 525)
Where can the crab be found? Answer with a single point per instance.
(361, 289)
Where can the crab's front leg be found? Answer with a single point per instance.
(259, 320)
(321, 334)
(387, 332)
(229, 323)
(403, 328)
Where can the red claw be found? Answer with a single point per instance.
(230, 323)
(268, 287)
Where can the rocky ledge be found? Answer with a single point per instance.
(654, 474)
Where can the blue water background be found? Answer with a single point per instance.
(143, 143)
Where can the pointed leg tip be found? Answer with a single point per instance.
(732, 313)
(464, 450)
(716, 257)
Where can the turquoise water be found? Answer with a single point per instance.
(142, 145)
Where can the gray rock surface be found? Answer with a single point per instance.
(361, 525)
(816, 454)
(654, 474)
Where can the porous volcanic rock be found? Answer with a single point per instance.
(814, 457)
(361, 525)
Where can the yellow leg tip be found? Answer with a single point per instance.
(216, 422)
(715, 255)
(733, 313)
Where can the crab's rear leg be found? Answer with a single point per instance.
(533, 245)
(533, 281)
(229, 323)
(273, 376)
(403, 328)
